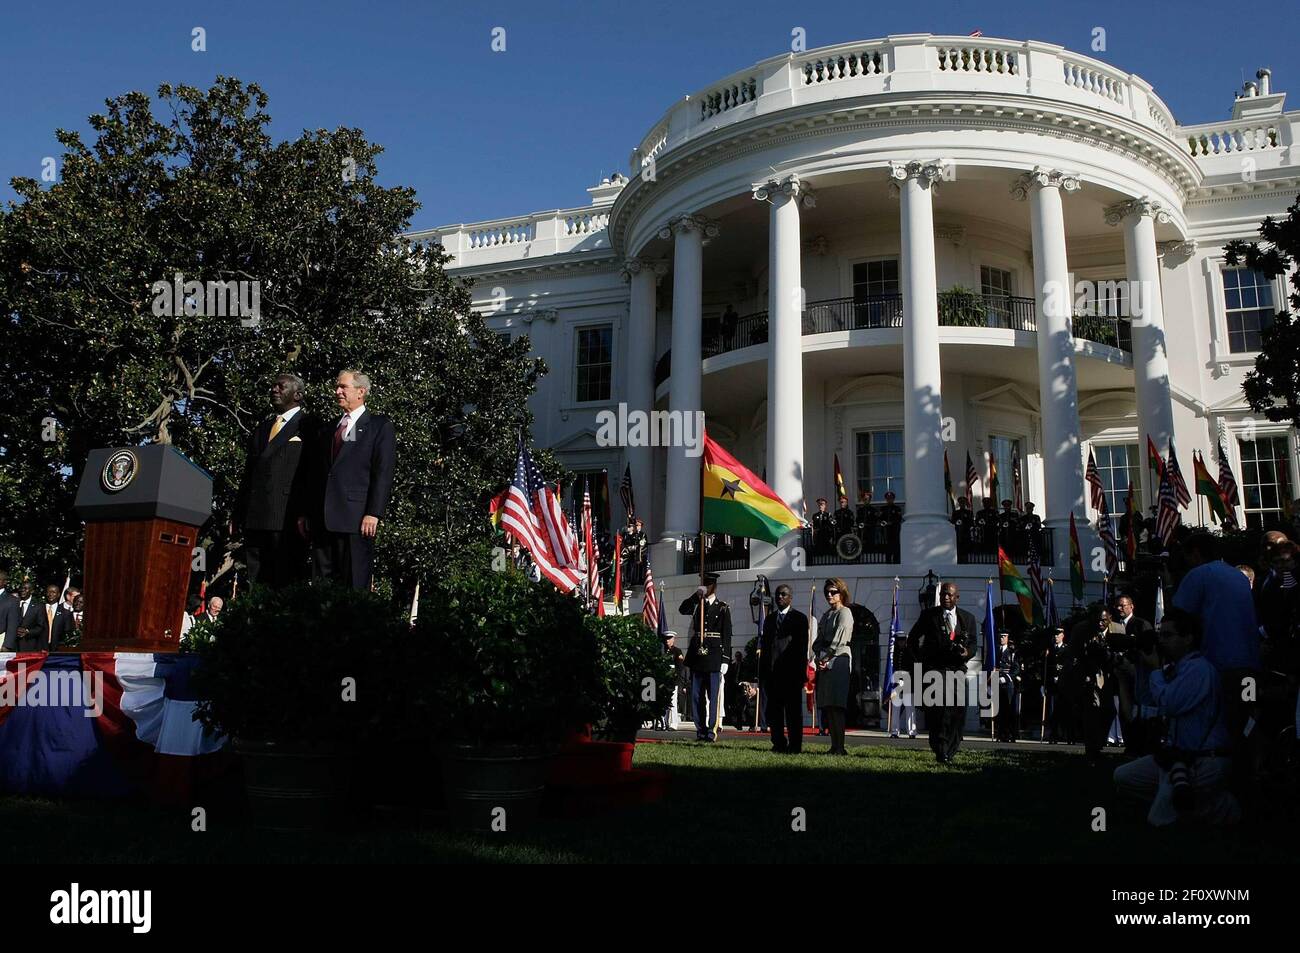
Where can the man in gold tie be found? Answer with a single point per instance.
(272, 492)
(34, 633)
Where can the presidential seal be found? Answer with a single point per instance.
(119, 470)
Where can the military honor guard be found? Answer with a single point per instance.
(1006, 723)
(1056, 698)
(823, 528)
(891, 522)
(706, 652)
(963, 521)
(985, 535)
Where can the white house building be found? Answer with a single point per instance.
(894, 225)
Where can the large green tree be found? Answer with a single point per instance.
(203, 191)
(1273, 387)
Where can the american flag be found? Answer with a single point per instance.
(1167, 514)
(650, 609)
(971, 477)
(532, 515)
(1181, 494)
(1107, 533)
(1130, 540)
(1035, 572)
(595, 591)
(625, 492)
(1227, 486)
(1094, 483)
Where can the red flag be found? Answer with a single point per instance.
(650, 608)
(203, 597)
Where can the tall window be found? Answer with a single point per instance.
(1003, 450)
(1117, 464)
(874, 278)
(875, 294)
(1248, 303)
(995, 281)
(594, 363)
(880, 463)
(1265, 478)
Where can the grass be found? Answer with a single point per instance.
(732, 801)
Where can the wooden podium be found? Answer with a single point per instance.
(143, 507)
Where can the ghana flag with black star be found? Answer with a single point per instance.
(739, 503)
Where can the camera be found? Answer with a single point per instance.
(1178, 765)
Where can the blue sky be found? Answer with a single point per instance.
(481, 134)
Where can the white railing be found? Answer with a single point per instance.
(900, 64)
(1095, 78)
(544, 233)
(1239, 137)
(585, 223)
(977, 58)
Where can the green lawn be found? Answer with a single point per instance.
(733, 801)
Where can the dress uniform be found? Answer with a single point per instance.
(1008, 526)
(705, 654)
(866, 521)
(1031, 525)
(845, 523)
(1006, 722)
(1059, 727)
(986, 527)
(823, 527)
(891, 519)
(962, 520)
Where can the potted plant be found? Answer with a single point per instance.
(505, 670)
(963, 308)
(636, 675)
(298, 678)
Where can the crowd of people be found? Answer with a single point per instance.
(44, 623)
(1203, 701)
(870, 527)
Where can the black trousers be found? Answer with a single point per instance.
(1006, 723)
(945, 723)
(343, 557)
(786, 714)
(275, 558)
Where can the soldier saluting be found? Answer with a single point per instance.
(706, 651)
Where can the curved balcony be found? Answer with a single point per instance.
(960, 309)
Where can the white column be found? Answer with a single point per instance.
(785, 472)
(682, 506)
(1146, 306)
(643, 277)
(1058, 389)
(927, 536)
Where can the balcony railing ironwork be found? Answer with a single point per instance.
(979, 552)
(1105, 329)
(721, 553)
(872, 545)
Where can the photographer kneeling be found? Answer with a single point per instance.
(1185, 778)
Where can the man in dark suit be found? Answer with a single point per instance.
(25, 597)
(783, 667)
(705, 653)
(353, 481)
(943, 640)
(10, 616)
(273, 489)
(66, 623)
(38, 624)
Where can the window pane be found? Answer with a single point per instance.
(593, 366)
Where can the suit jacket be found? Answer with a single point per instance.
(1135, 626)
(359, 482)
(784, 664)
(273, 489)
(64, 624)
(930, 645)
(10, 619)
(37, 624)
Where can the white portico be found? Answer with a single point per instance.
(899, 253)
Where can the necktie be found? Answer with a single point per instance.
(275, 428)
(49, 615)
(948, 627)
(339, 431)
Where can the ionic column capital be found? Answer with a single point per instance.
(683, 224)
(1042, 178)
(634, 266)
(927, 172)
(1177, 249)
(1140, 206)
(790, 186)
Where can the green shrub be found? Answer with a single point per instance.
(275, 666)
(632, 660)
(498, 659)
